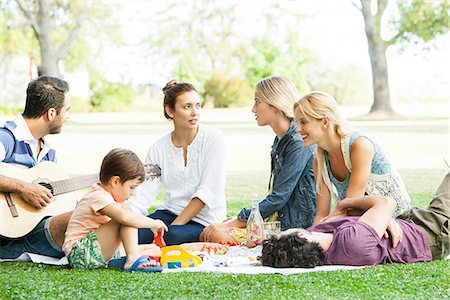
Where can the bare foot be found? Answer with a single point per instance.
(148, 264)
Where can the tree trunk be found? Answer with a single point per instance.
(377, 52)
(49, 59)
(49, 62)
(40, 21)
(380, 78)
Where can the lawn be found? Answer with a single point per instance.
(413, 281)
(415, 146)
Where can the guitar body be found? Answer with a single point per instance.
(28, 216)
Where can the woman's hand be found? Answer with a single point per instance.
(395, 231)
(335, 213)
(210, 230)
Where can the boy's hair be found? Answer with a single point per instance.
(291, 251)
(123, 163)
(44, 93)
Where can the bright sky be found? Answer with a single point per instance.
(332, 29)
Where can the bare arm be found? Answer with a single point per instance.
(362, 154)
(191, 210)
(127, 217)
(378, 211)
(361, 158)
(35, 194)
(216, 232)
(323, 198)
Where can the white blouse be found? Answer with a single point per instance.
(203, 177)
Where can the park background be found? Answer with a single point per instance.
(121, 54)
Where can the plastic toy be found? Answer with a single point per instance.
(158, 240)
(175, 257)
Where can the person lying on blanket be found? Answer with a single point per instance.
(99, 222)
(421, 235)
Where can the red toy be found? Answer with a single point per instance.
(158, 240)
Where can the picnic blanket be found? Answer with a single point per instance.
(238, 260)
(256, 268)
(243, 260)
(39, 259)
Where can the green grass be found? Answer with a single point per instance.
(396, 281)
(412, 147)
(407, 281)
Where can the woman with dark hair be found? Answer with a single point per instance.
(192, 162)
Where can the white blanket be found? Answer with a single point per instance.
(242, 260)
(235, 266)
(256, 268)
(40, 259)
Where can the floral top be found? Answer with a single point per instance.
(384, 179)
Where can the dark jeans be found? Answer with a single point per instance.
(37, 241)
(176, 235)
(435, 220)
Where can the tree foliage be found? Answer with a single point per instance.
(213, 45)
(422, 20)
(109, 96)
(226, 91)
(268, 57)
(52, 31)
(53, 28)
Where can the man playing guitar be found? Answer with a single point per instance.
(24, 141)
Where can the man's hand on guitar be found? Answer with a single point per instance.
(36, 195)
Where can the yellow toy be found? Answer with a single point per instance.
(174, 257)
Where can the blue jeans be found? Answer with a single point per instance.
(176, 235)
(37, 241)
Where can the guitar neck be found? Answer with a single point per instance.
(71, 184)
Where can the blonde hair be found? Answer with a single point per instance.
(318, 105)
(279, 92)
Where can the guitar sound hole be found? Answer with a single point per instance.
(47, 185)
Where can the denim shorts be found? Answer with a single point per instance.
(38, 241)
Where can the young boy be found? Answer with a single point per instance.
(100, 223)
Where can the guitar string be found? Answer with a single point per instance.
(78, 182)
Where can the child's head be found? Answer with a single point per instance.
(123, 170)
(278, 92)
(291, 251)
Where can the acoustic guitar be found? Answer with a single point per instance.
(17, 217)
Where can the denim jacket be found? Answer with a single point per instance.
(294, 191)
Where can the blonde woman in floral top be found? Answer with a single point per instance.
(348, 164)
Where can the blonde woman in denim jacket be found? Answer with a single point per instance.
(291, 198)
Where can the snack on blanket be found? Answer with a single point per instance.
(210, 248)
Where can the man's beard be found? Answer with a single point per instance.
(54, 129)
